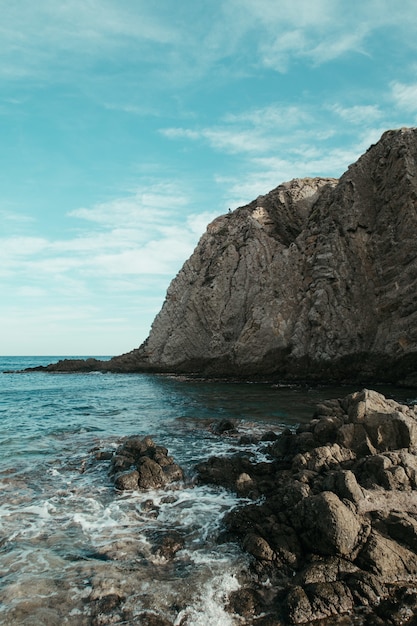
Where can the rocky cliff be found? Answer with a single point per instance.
(314, 280)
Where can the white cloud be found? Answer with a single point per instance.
(358, 114)
(253, 131)
(272, 116)
(38, 38)
(183, 42)
(289, 30)
(405, 96)
(19, 247)
(148, 233)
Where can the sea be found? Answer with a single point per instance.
(75, 551)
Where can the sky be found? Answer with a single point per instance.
(126, 126)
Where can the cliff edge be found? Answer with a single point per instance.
(315, 280)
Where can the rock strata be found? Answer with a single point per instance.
(315, 280)
(332, 530)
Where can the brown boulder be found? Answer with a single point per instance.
(327, 526)
(140, 464)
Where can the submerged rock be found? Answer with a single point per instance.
(333, 529)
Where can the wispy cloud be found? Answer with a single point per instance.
(40, 37)
(405, 96)
(252, 131)
(149, 233)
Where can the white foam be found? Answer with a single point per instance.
(209, 606)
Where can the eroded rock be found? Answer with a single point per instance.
(141, 464)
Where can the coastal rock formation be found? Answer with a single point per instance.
(140, 464)
(315, 280)
(333, 529)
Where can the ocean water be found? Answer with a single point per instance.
(72, 549)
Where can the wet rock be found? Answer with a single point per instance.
(141, 464)
(107, 609)
(233, 472)
(152, 619)
(244, 602)
(126, 480)
(104, 455)
(258, 547)
(224, 427)
(168, 544)
(336, 529)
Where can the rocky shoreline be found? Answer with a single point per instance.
(331, 523)
(333, 532)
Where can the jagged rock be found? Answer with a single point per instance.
(225, 426)
(403, 528)
(323, 458)
(335, 530)
(387, 559)
(344, 484)
(139, 463)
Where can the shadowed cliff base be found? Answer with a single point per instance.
(316, 280)
(351, 369)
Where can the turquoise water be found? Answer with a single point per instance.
(72, 550)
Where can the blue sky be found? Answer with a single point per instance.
(126, 126)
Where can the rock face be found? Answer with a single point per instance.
(315, 280)
(333, 529)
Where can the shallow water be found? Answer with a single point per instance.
(72, 550)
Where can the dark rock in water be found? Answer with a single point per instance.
(316, 280)
(223, 427)
(151, 619)
(334, 528)
(168, 544)
(141, 464)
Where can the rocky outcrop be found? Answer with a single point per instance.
(315, 280)
(334, 526)
(141, 464)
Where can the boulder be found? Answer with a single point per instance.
(327, 526)
(139, 463)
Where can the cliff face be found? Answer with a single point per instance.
(315, 280)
